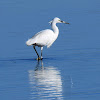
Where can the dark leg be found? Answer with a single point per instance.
(36, 52)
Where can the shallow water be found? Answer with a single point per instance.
(70, 68)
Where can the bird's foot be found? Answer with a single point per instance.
(39, 58)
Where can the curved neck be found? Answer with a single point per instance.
(55, 28)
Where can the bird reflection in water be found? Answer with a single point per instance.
(46, 83)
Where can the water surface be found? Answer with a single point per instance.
(70, 69)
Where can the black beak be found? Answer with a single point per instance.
(64, 22)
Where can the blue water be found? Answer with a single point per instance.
(70, 69)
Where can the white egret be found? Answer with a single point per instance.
(45, 37)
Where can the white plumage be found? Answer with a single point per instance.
(45, 37)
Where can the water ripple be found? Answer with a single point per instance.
(45, 83)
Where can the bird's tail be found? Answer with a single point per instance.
(28, 43)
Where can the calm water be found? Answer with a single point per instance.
(70, 69)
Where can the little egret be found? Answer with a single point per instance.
(45, 37)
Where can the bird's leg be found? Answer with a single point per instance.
(41, 53)
(36, 53)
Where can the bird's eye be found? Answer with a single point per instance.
(61, 21)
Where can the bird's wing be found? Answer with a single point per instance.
(42, 33)
(42, 38)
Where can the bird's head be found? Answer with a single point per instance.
(57, 20)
